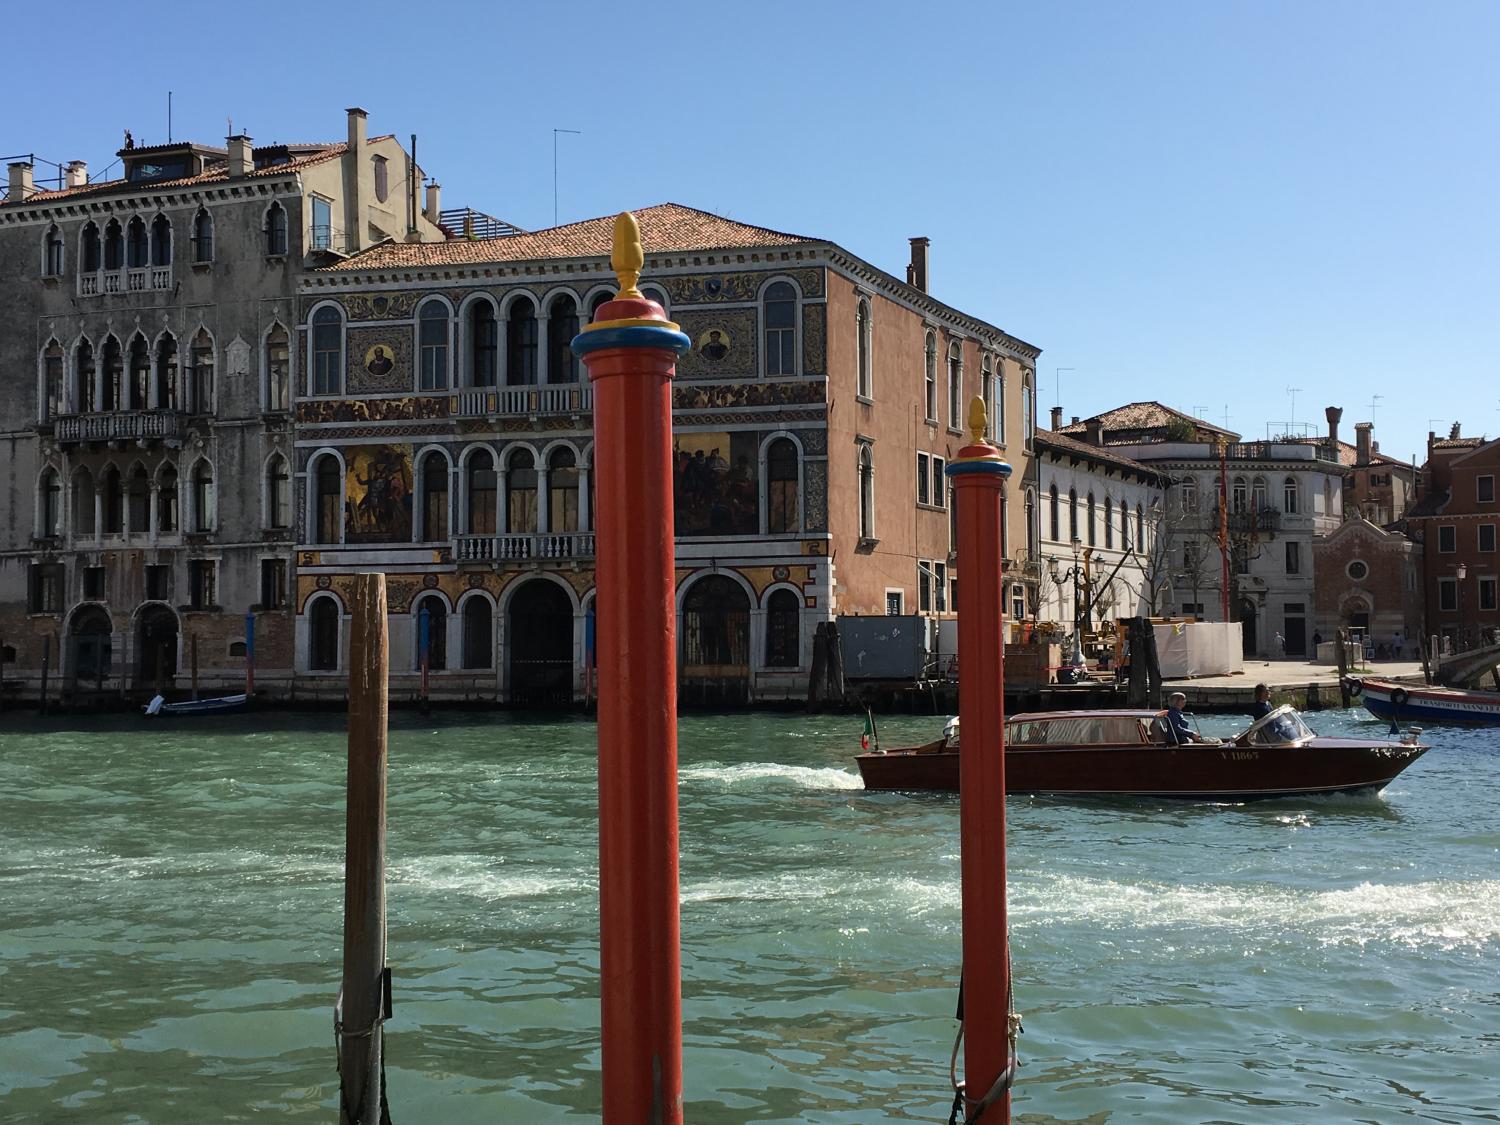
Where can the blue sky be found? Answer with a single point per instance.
(1206, 203)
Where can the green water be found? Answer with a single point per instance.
(170, 901)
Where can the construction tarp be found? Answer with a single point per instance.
(1199, 648)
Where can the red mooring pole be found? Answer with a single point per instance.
(978, 474)
(631, 353)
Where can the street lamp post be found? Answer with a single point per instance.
(1463, 572)
(1072, 574)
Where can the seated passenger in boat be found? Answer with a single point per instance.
(1179, 731)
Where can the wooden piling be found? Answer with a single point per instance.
(194, 647)
(362, 993)
(1343, 659)
(46, 661)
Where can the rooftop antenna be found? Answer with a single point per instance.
(1226, 416)
(1057, 384)
(555, 132)
(1292, 426)
(1374, 403)
(169, 117)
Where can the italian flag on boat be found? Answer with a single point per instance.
(871, 736)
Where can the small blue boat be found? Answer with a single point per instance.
(216, 706)
(1418, 703)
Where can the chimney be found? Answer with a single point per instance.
(76, 173)
(1374, 447)
(1056, 419)
(1075, 419)
(356, 170)
(1362, 442)
(434, 208)
(916, 273)
(241, 161)
(1095, 430)
(22, 186)
(1333, 414)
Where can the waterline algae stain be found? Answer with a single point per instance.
(169, 940)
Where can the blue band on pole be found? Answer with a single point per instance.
(423, 628)
(997, 468)
(630, 336)
(249, 635)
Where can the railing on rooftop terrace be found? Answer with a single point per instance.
(465, 222)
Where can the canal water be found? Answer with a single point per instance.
(170, 901)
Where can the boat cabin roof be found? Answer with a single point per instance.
(1054, 716)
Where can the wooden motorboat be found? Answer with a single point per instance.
(1130, 753)
(216, 706)
(1419, 703)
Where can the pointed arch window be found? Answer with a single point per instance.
(1140, 528)
(866, 491)
(1093, 526)
(161, 241)
(278, 494)
(90, 255)
(166, 501)
(987, 393)
(323, 635)
(203, 236)
(138, 514)
(562, 326)
(781, 487)
(1054, 515)
(479, 633)
(328, 351)
(520, 493)
(482, 493)
(83, 503)
(484, 345)
(779, 307)
(434, 498)
(166, 372)
(997, 413)
(49, 504)
(562, 490)
(520, 343)
(140, 373)
(114, 375)
(1109, 521)
(114, 502)
(1028, 409)
(930, 357)
(328, 502)
(52, 381)
(1073, 515)
(433, 344)
(202, 358)
(1031, 521)
(276, 230)
(783, 624)
(278, 369)
(137, 244)
(53, 255)
(114, 245)
(955, 386)
(203, 497)
(862, 344)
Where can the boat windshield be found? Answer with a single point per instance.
(1281, 726)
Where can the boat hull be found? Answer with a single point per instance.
(1429, 705)
(1200, 772)
(222, 705)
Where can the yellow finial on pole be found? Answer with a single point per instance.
(627, 257)
(978, 419)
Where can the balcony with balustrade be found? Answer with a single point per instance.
(529, 547)
(118, 425)
(1251, 521)
(528, 401)
(142, 280)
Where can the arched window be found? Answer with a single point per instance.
(482, 494)
(779, 311)
(597, 301)
(479, 633)
(53, 402)
(651, 293)
(1093, 524)
(1073, 515)
(328, 500)
(275, 230)
(166, 372)
(866, 491)
(997, 415)
(1031, 521)
(202, 358)
(52, 258)
(161, 241)
(323, 635)
(49, 504)
(931, 377)
(114, 502)
(562, 490)
(114, 375)
(432, 345)
(520, 492)
(278, 494)
(955, 386)
(862, 346)
(140, 373)
(1290, 496)
(484, 346)
(987, 392)
(1028, 409)
(83, 503)
(139, 501)
(382, 178)
(1188, 490)
(166, 501)
(715, 623)
(783, 629)
(203, 496)
(137, 244)
(434, 475)
(203, 236)
(1140, 528)
(1239, 495)
(90, 252)
(278, 369)
(1124, 526)
(1054, 517)
(781, 487)
(1259, 496)
(328, 351)
(1109, 521)
(114, 245)
(437, 631)
(520, 343)
(562, 326)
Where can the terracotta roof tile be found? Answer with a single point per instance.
(665, 228)
(1051, 439)
(1143, 416)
